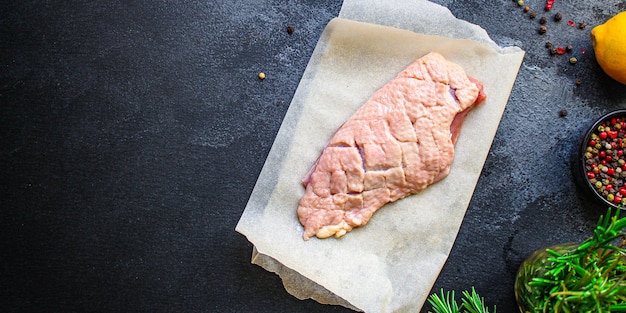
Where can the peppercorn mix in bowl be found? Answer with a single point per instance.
(602, 159)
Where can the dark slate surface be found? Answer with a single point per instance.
(133, 133)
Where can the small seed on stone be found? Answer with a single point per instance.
(558, 17)
(543, 29)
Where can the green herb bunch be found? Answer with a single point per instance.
(445, 303)
(586, 277)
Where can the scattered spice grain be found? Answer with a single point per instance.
(261, 76)
(582, 25)
(558, 17)
(290, 29)
(532, 15)
(543, 20)
(543, 29)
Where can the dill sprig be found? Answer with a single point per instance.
(445, 303)
(585, 277)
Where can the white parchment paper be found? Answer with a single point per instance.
(390, 264)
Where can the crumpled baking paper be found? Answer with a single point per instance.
(391, 264)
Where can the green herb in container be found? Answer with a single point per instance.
(577, 277)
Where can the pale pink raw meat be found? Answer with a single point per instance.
(399, 142)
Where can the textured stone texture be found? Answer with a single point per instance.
(133, 133)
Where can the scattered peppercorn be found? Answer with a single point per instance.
(532, 15)
(549, 4)
(526, 9)
(573, 60)
(290, 29)
(261, 76)
(520, 2)
(560, 50)
(549, 44)
(578, 81)
(543, 20)
(558, 17)
(582, 25)
(543, 29)
(563, 113)
(569, 48)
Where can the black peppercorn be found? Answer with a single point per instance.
(290, 29)
(558, 17)
(569, 48)
(543, 20)
(582, 25)
(532, 15)
(543, 29)
(563, 113)
(549, 44)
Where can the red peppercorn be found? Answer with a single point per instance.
(622, 191)
(620, 152)
(610, 171)
(602, 135)
(591, 175)
(609, 158)
(602, 154)
(612, 134)
(609, 187)
(592, 143)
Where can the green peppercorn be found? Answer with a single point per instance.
(520, 2)
(610, 197)
(573, 60)
(598, 185)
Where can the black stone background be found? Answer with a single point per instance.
(133, 133)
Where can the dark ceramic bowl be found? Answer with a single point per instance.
(583, 166)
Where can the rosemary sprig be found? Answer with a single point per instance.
(445, 303)
(591, 277)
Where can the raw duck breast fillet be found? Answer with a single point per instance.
(398, 143)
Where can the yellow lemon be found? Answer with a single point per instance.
(609, 45)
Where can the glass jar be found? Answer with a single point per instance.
(534, 266)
